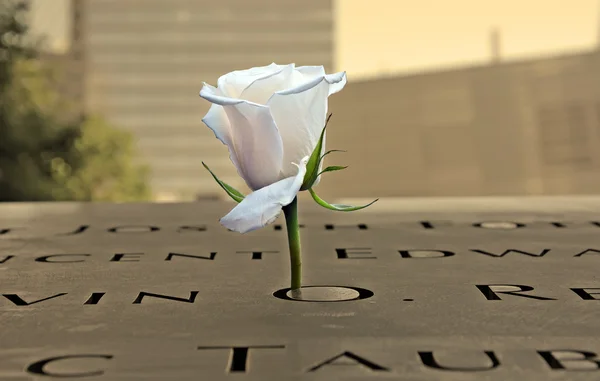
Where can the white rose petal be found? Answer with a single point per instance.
(304, 74)
(262, 89)
(263, 206)
(300, 115)
(216, 119)
(270, 117)
(252, 136)
(232, 84)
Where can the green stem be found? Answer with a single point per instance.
(291, 221)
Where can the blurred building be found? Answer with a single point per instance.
(503, 128)
(144, 62)
(523, 127)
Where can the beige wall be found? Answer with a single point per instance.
(528, 127)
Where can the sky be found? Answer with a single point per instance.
(383, 37)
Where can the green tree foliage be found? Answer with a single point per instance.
(45, 155)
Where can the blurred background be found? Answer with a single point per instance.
(99, 98)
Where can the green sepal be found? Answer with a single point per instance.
(330, 151)
(231, 191)
(331, 169)
(337, 207)
(312, 167)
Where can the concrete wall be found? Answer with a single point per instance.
(529, 127)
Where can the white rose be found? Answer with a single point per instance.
(270, 118)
